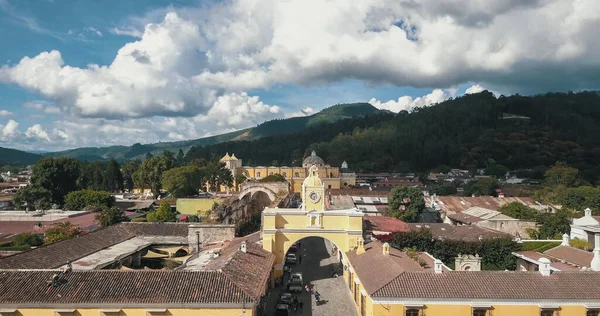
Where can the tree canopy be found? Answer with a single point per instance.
(162, 214)
(83, 199)
(482, 187)
(110, 216)
(32, 198)
(406, 203)
(183, 181)
(61, 231)
(57, 176)
(113, 178)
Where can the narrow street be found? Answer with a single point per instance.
(317, 268)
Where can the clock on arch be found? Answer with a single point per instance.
(314, 197)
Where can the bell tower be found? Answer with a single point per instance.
(313, 191)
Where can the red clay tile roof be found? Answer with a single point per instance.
(579, 257)
(506, 285)
(385, 224)
(56, 254)
(455, 204)
(534, 255)
(374, 269)
(250, 270)
(465, 232)
(117, 286)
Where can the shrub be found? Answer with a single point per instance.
(28, 240)
(139, 220)
(581, 244)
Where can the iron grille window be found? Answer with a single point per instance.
(412, 312)
(592, 313)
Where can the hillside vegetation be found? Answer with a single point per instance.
(472, 131)
(12, 156)
(274, 127)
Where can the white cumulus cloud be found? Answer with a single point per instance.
(407, 103)
(5, 113)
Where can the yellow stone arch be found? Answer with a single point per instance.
(282, 227)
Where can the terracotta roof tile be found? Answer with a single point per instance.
(579, 257)
(118, 286)
(464, 232)
(455, 204)
(385, 224)
(58, 253)
(506, 285)
(375, 269)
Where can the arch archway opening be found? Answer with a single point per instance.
(319, 257)
(252, 220)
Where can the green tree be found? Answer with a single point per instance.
(113, 178)
(553, 226)
(581, 198)
(406, 203)
(28, 239)
(276, 177)
(180, 157)
(162, 214)
(32, 198)
(519, 211)
(482, 187)
(61, 231)
(149, 155)
(183, 181)
(58, 176)
(217, 175)
(443, 189)
(497, 171)
(129, 168)
(91, 175)
(562, 175)
(581, 244)
(149, 174)
(84, 199)
(110, 216)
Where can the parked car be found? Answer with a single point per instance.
(286, 298)
(282, 310)
(291, 258)
(293, 248)
(296, 278)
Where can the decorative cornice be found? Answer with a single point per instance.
(471, 302)
(312, 230)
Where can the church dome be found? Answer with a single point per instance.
(313, 159)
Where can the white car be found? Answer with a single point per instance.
(290, 258)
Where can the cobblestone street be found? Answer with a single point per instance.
(317, 268)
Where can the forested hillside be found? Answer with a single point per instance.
(274, 127)
(472, 131)
(12, 156)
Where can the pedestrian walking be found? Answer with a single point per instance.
(299, 259)
(301, 306)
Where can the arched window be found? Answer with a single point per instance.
(296, 174)
(412, 312)
(270, 173)
(258, 174)
(593, 312)
(284, 174)
(331, 174)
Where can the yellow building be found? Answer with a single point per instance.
(385, 281)
(282, 227)
(99, 280)
(332, 177)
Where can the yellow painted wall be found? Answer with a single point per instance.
(138, 312)
(466, 310)
(296, 175)
(196, 206)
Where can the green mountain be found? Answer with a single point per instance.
(274, 127)
(12, 157)
(528, 133)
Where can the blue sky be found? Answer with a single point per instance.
(97, 73)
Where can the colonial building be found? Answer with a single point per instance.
(140, 269)
(332, 177)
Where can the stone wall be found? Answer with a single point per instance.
(209, 234)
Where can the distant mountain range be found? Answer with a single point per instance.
(138, 151)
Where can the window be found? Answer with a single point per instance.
(592, 313)
(284, 175)
(479, 312)
(296, 174)
(412, 312)
(329, 186)
(258, 174)
(363, 308)
(547, 312)
(270, 173)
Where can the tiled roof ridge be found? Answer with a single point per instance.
(570, 247)
(63, 241)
